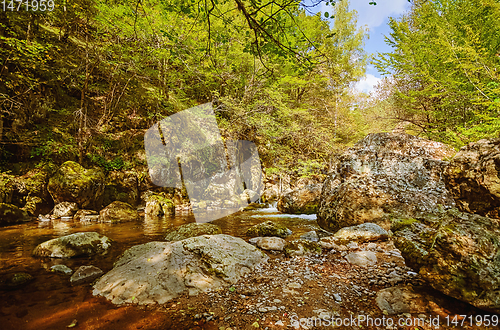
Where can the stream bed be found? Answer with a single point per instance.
(50, 302)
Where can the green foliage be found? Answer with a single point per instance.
(113, 165)
(445, 68)
(52, 149)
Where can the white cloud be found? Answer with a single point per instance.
(367, 84)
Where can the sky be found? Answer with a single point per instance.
(375, 18)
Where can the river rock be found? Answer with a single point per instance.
(269, 228)
(457, 253)
(118, 212)
(473, 178)
(157, 272)
(61, 269)
(271, 243)
(302, 247)
(384, 174)
(159, 205)
(73, 183)
(85, 274)
(302, 200)
(11, 215)
(361, 233)
(15, 281)
(121, 186)
(191, 230)
(86, 215)
(65, 209)
(362, 258)
(74, 245)
(310, 236)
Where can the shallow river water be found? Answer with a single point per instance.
(50, 302)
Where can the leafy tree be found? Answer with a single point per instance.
(445, 68)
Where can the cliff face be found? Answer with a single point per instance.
(473, 178)
(385, 173)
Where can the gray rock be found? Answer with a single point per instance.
(86, 215)
(254, 240)
(384, 174)
(310, 236)
(271, 243)
(159, 205)
(74, 245)
(269, 228)
(361, 233)
(457, 253)
(85, 274)
(65, 209)
(362, 258)
(473, 178)
(301, 247)
(157, 272)
(302, 200)
(191, 230)
(118, 212)
(61, 269)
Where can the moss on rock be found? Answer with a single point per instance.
(269, 228)
(118, 212)
(192, 230)
(73, 183)
(11, 214)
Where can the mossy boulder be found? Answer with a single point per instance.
(457, 253)
(159, 205)
(302, 200)
(118, 212)
(268, 228)
(6, 187)
(74, 245)
(122, 186)
(11, 215)
(15, 281)
(73, 183)
(31, 192)
(192, 230)
(302, 247)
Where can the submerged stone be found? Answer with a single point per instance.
(192, 230)
(74, 245)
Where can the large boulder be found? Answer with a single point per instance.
(473, 178)
(159, 205)
(121, 186)
(302, 200)
(65, 209)
(11, 215)
(365, 232)
(31, 191)
(268, 228)
(118, 212)
(457, 253)
(157, 272)
(382, 175)
(74, 245)
(191, 230)
(73, 183)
